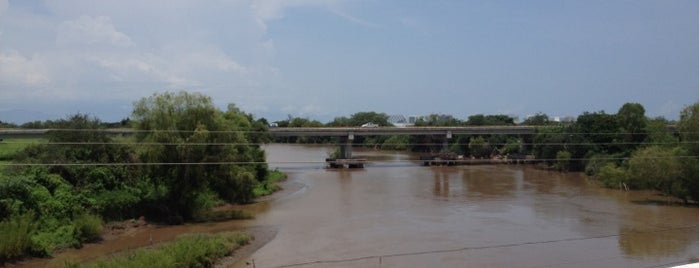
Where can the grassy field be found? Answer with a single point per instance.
(10, 147)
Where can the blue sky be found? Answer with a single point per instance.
(326, 58)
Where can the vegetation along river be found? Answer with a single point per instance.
(397, 213)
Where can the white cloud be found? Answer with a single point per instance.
(91, 30)
(18, 70)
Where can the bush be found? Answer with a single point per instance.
(563, 159)
(88, 227)
(612, 176)
(397, 142)
(15, 233)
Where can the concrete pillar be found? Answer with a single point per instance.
(445, 143)
(346, 146)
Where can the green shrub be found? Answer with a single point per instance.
(197, 250)
(563, 159)
(15, 236)
(613, 176)
(398, 142)
(270, 184)
(88, 227)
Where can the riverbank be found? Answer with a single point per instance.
(138, 233)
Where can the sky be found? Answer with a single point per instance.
(320, 59)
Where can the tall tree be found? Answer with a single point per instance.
(632, 122)
(199, 150)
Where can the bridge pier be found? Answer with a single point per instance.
(346, 146)
(445, 142)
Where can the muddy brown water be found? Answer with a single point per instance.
(396, 213)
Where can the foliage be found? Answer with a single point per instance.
(657, 168)
(9, 148)
(479, 147)
(658, 133)
(396, 142)
(632, 120)
(612, 176)
(490, 120)
(270, 184)
(512, 146)
(16, 232)
(688, 127)
(198, 250)
(438, 120)
(539, 119)
(548, 141)
(598, 128)
(563, 159)
(7, 124)
(179, 123)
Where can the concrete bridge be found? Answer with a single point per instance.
(347, 134)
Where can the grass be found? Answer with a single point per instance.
(270, 184)
(16, 235)
(9, 147)
(196, 250)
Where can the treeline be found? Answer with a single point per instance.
(124, 123)
(186, 157)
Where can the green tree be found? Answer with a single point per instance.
(688, 127)
(658, 132)
(479, 147)
(658, 168)
(361, 118)
(563, 159)
(539, 119)
(632, 120)
(490, 120)
(196, 144)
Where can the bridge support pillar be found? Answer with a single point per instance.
(445, 142)
(346, 146)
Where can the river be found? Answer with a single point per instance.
(397, 213)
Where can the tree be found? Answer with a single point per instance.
(539, 119)
(688, 126)
(658, 168)
(632, 120)
(490, 120)
(479, 147)
(598, 128)
(197, 145)
(360, 118)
